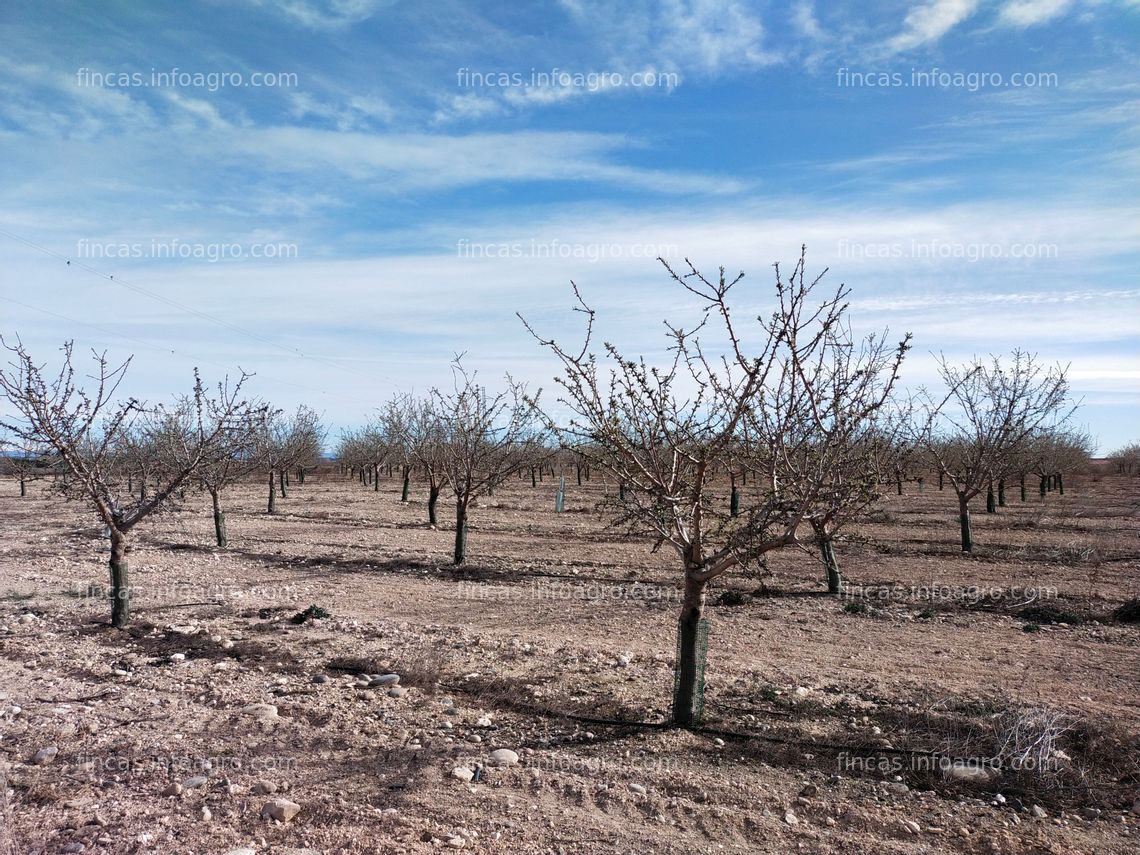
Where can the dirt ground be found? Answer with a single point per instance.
(172, 737)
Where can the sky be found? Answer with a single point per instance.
(340, 196)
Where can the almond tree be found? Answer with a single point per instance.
(665, 432)
(422, 435)
(483, 436)
(284, 442)
(26, 461)
(987, 420)
(82, 424)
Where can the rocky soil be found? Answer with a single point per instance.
(516, 705)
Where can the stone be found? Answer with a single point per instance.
(383, 680)
(263, 788)
(175, 789)
(196, 781)
(503, 757)
(970, 774)
(207, 814)
(790, 818)
(245, 850)
(456, 842)
(1039, 812)
(484, 721)
(265, 712)
(896, 787)
(637, 789)
(911, 826)
(809, 790)
(397, 692)
(74, 846)
(463, 774)
(44, 755)
(320, 679)
(281, 810)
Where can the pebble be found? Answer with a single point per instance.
(44, 755)
(809, 790)
(174, 789)
(75, 846)
(969, 774)
(281, 810)
(397, 692)
(1039, 812)
(320, 679)
(463, 774)
(503, 757)
(263, 788)
(896, 787)
(265, 712)
(637, 789)
(456, 842)
(207, 814)
(196, 781)
(911, 826)
(790, 818)
(484, 721)
(245, 850)
(383, 680)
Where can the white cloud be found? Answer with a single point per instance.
(1028, 13)
(930, 22)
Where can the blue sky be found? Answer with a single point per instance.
(380, 202)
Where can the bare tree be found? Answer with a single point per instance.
(25, 460)
(422, 435)
(1126, 460)
(283, 443)
(82, 426)
(665, 433)
(986, 421)
(234, 462)
(483, 437)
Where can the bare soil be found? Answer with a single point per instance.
(556, 641)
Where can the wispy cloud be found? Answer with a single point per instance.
(929, 22)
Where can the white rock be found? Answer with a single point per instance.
(968, 773)
(44, 755)
(1038, 812)
(790, 818)
(265, 712)
(484, 721)
(636, 789)
(281, 810)
(384, 680)
(463, 774)
(196, 781)
(503, 757)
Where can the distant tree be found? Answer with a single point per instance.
(26, 461)
(81, 425)
(233, 463)
(423, 435)
(1126, 460)
(283, 443)
(483, 438)
(986, 422)
(773, 408)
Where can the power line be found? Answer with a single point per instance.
(138, 289)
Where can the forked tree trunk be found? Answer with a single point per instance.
(120, 579)
(690, 665)
(964, 521)
(460, 554)
(219, 519)
(272, 495)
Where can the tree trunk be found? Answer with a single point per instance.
(407, 485)
(219, 520)
(1060, 484)
(1001, 494)
(941, 480)
(460, 533)
(281, 483)
(991, 505)
(1022, 485)
(23, 488)
(964, 520)
(578, 470)
(533, 477)
(1043, 488)
(898, 482)
(690, 665)
(830, 564)
(921, 486)
(734, 502)
(433, 497)
(272, 495)
(120, 580)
